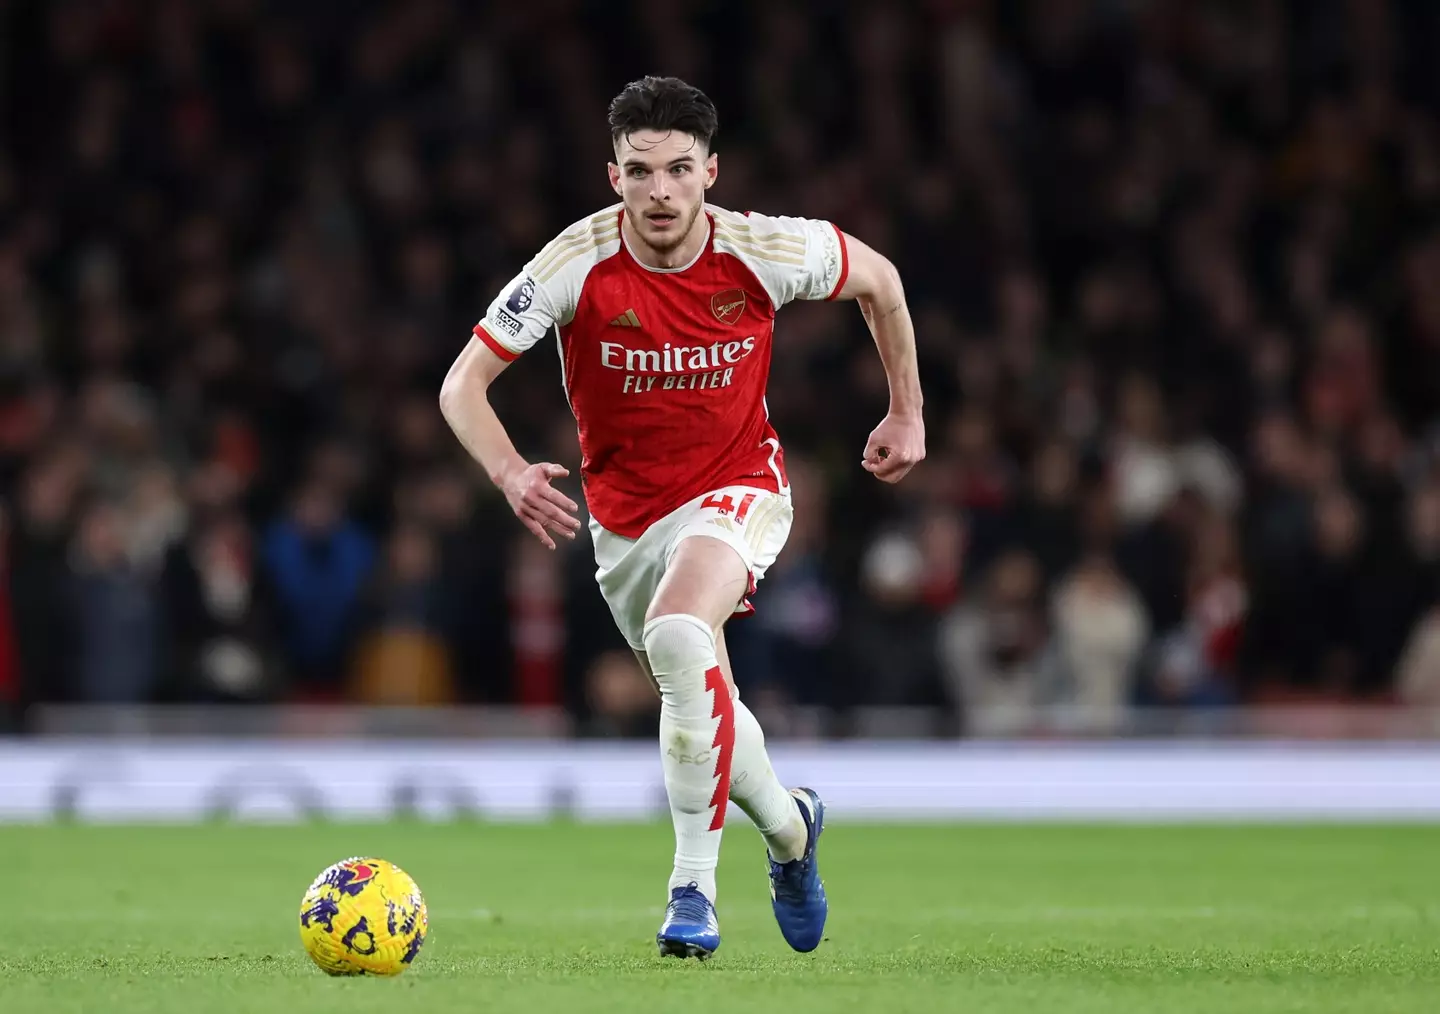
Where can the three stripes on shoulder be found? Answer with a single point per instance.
(731, 228)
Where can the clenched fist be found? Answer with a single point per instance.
(895, 446)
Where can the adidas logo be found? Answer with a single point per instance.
(626, 319)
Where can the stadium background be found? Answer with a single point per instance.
(1175, 273)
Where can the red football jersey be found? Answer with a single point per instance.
(665, 368)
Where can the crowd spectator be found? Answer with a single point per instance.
(1174, 267)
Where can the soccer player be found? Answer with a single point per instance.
(663, 308)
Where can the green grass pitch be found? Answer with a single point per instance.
(932, 919)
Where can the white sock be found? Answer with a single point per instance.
(697, 742)
(756, 790)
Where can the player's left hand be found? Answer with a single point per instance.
(895, 446)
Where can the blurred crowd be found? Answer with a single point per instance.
(1174, 267)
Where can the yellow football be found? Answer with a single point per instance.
(363, 917)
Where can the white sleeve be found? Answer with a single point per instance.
(794, 258)
(522, 314)
(545, 293)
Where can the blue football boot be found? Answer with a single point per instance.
(690, 929)
(797, 895)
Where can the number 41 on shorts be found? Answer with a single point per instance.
(726, 505)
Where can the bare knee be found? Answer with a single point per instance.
(705, 578)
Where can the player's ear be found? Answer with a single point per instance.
(712, 169)
(614, 171)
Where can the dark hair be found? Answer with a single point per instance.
(663, 103)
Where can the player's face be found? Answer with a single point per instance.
(662, 177)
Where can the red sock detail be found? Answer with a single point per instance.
(724, 741)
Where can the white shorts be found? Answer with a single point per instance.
(754, 522)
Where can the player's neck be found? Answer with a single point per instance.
(677, 257)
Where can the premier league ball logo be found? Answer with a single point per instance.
(521, 297)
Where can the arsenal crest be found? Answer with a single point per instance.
(728, 305)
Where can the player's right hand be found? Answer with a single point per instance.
(539, 505)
